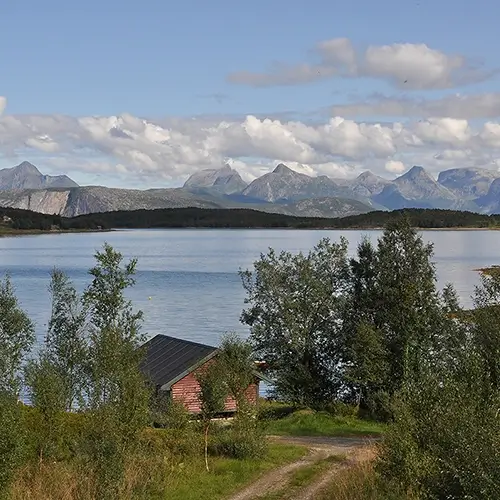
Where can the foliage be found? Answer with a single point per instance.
(12, 440)
(48, 395)
(295, 303)
(444, 442)
(170, 414)
(272, 410)
(212, 396)
(395, 321)
(236, 364)
(117, 396)
(66, 346)
(16, 338)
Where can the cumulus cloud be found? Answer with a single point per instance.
(168, 150)
(3, 103)
(395, 167)
(469, 107)
(404, 65)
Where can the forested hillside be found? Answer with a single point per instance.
(241, 218)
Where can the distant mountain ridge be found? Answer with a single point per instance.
(282, 191)
(224, 180)
(27, 176)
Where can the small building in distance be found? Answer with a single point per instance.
(171, 364)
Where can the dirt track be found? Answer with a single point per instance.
(319, 449)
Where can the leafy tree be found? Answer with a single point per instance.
(363, 346)
(393, 308)
(407, 301)
(295, 308)
(66, 340)
(16, 339)
(118, 395)
(486, 322)
(368, 367)
(236, 360)
(236, 364)
(212, 397)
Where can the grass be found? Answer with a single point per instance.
(228, 475)
(154, 477)
(309, 423)
(361, 482)
(303, 477)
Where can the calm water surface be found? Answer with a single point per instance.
(187, 281)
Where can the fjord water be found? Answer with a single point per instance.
(187, 280)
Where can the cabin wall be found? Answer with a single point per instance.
(187, 390)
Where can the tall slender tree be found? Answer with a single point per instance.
(66, 343)
(393, 307)
(118, 395)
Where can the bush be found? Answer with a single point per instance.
(273, 410)
(238, 441)
(185, 443)
(444, 442)
(72, 426)
(12, 440)
(341, 409)
(171, 415)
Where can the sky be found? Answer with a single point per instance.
(143, 94)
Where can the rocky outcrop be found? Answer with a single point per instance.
(223, 180)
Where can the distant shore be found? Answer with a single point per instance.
(33, 232)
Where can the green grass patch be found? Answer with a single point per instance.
(310, 423)
(193, 482)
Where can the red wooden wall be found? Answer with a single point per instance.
(187, 389)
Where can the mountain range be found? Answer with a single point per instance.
(281, 191)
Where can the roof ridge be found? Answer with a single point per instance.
(182, 340)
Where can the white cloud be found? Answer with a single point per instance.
(453, 106)
(404, 65)
(159, 152)
(3, 104)
(395, 167)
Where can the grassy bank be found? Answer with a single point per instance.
(361, 482)
(311, 423)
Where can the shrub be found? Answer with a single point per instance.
(12, 442)
(171, 415)
(185, 443)
(239, 441)
(273, 410)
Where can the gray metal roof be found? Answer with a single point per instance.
(167, 359)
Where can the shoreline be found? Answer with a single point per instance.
(36, 232)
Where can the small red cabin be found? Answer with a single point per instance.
(171, 364)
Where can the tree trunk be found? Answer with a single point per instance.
(206, 446)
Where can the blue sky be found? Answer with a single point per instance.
(169, 61)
